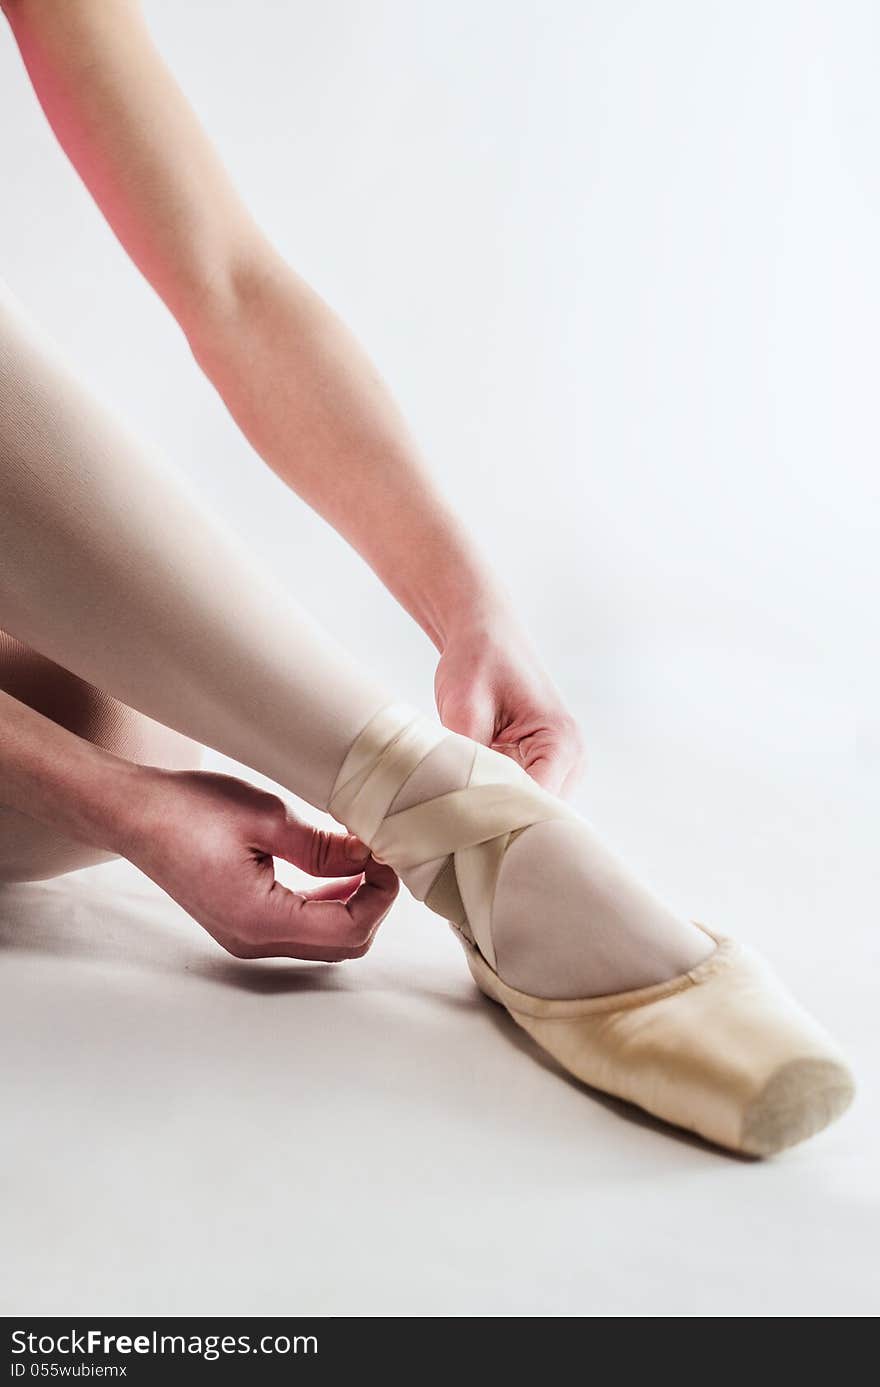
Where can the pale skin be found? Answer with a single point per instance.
(315, 409)
(208, 840)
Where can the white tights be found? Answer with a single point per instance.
(116, 587)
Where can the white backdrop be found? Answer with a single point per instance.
(618, 261)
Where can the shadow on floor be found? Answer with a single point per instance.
(135, 926)
(132, 928)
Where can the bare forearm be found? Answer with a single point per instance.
(316, 409)
(62, 780)
(299, 386)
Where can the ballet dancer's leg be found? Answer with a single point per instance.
(109, 568)
(32, 851)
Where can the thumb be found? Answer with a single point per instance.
(318, 851)
(543, 757)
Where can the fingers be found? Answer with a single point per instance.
(315, 850)
(320, 925)
(547, 768)
(330, 929)
(369, 905)
(554, 758)
(547, 744)
(329, 923)
(339, 889)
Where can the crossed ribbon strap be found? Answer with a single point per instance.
(470, 829)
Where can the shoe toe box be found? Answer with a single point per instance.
(798, 1100)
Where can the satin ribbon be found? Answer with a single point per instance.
(471, 828)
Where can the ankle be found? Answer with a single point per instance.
(443, 770)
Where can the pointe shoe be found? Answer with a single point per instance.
(723, 1050)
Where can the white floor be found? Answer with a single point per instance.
(187, 1133)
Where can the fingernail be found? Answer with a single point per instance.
(355, 849)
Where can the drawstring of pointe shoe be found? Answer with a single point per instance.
(471, 828)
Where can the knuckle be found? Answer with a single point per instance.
(274, 808)
(380, 874)
(240, 948)
(359, 937)
(321, 845)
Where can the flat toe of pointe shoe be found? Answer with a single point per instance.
(723, 1051)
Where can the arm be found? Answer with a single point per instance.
(207, 840)
(298, 385)
(61, 780)
(290, 373)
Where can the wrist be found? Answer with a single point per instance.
(110, 805)
(67, 782)
(479, 617)
(464, 604)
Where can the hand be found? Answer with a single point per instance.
(490, 685)
(209, 841)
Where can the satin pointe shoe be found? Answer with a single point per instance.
(722, 1050)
